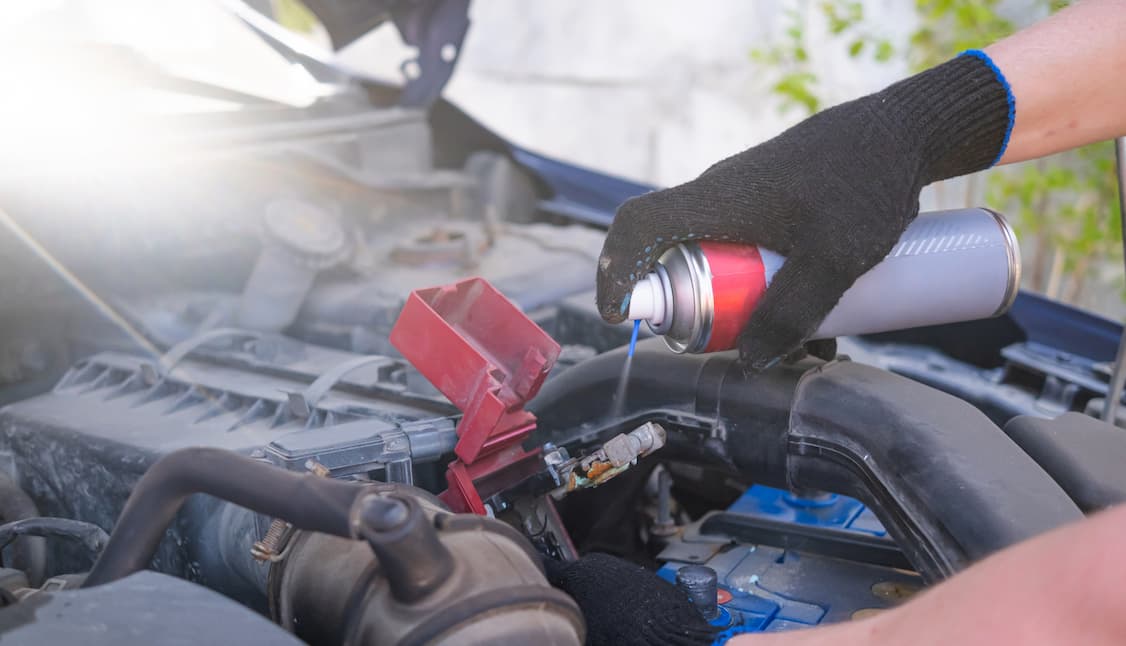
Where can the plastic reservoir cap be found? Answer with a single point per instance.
(648, 300)
(308, 232)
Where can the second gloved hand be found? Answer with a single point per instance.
(833, 194)
(625, 604)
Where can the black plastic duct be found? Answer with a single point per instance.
(948, 484)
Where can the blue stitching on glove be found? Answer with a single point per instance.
(977, 53)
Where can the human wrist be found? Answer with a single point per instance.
(957, 115)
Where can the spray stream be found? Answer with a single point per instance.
(633, 337)
(623, 382)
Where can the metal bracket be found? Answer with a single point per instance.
(437, 28)
(301, 404)
(154, 371)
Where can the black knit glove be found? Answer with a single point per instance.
(625, 604)
(833, 194)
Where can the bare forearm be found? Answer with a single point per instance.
(1068, 76)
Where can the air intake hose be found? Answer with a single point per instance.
(948, 484)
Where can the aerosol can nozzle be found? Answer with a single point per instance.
(648, 302)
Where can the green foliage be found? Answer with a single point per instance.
(796, 84)
(294, 15)
(1065, 205)
(842, 16)
(951, 26)
(796, 88)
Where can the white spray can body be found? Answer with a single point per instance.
(948, 266)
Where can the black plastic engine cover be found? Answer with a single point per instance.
(79, 449)
(145, 608)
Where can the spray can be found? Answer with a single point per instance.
(948, 266)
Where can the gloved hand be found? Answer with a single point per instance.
(626, 604)
(833, 194)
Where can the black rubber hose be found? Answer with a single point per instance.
(718, 414)
(948, 484)
(308, 502)
(29, 553)
(92, 537)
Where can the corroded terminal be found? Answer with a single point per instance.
(625, 448)
(612, 458)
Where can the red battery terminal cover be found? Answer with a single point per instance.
(488, 359)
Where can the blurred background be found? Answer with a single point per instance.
(657, 90)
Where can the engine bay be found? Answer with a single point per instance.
(396, 327)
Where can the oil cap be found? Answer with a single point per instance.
(309, 233)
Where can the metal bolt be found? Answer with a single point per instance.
(664, 525)
(664, 496)
(555, 457)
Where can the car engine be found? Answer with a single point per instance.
(334, 375)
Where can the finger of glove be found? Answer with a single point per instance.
(643, 228)
(824, 349)
(648, 225)
(800, 296)
(607, 590)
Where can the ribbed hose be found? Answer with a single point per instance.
(308, 502)
(29, 553)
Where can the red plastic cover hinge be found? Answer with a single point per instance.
(483, 354)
